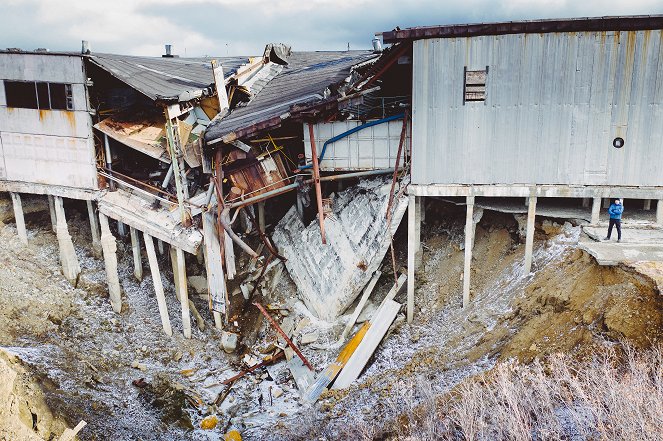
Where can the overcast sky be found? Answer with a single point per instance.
(243, 27)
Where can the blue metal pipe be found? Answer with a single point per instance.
(354, 130)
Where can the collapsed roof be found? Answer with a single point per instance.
(304, 79)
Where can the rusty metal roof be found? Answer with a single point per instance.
(585, 24)
(166, 79)
(303, 80)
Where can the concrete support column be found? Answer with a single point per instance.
(659, 212)
(418, 210)
(469, 240)
(412, 247)
(109, 247)
(261, 215)
(184, 294)
(586, 202)
(596, 211)
(158, 284)
(135, 248)
(70, 266)
(647, 204)
(606, 202)
(160, 246)
(529, 238)
(121, 229)
(51, 209)
(94, 226)
(20, 220)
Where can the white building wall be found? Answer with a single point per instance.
(554, 104)
(51, 147)
(370, 148)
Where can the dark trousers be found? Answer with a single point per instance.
(616, 223)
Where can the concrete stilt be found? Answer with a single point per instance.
(184, 295)
(51, 209)
(606, 202)
(529, 238)
(647, 204)
(20, 220)
(412, 246)
(160, 246)
(109, 247)
(158, 284)
(596, 211)
(659, 212)
(70, 267)
(121, 229)
(94, 227)
(418, 256)
(261, 215)
(176, 277)
(135, 247)
(586, 202)
(469, 240)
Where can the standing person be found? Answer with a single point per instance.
(615, 211)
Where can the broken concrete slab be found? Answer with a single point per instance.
(309, 338)
(379, 327)
(330, 277)
(641, 242)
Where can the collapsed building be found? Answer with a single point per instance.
(249, 156)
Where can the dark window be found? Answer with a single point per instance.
(31, 95)
(474, 88)
(42, 96)
(21, 94)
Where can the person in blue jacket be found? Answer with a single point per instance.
(615, 211)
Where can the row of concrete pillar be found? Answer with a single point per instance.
(104, 244)
(415, 215)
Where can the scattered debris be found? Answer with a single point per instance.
(309, 338)
(229, 341)
(209, 422)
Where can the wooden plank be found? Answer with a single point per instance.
(158, 284)
(361, 304)
(216, 280)
(379, 327)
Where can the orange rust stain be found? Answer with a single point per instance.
(71, 118)
(43, 114)
(646, 36)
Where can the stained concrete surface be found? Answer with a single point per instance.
(641, 242)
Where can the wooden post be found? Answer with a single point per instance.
(135, 247)
(51, 209)
(216, 281)
(412, 246)
(529, 238)
(94, 227)
(18, 216)
(70, 266)
(469, 239)
(109, 246)
(184, 295)
(596, 211)
(158, 284)
(316, 183)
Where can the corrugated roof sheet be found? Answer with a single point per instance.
(585, 24)
(161, 78)
(304, 79)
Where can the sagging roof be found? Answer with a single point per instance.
(585, 24)
(304, 79)
(166, 79)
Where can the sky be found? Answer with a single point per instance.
(243, 27)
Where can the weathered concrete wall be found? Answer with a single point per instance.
(330, 277)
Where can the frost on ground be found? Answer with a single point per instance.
(70, 343)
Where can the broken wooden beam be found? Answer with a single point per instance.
(316, 182)
(361, 304)
(158, 284)
(283, 334)
(379, 327)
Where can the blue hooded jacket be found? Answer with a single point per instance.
(616, 211)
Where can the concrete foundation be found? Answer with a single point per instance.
(529, 238)
(70, 266)
(109, 247)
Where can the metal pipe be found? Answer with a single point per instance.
(289, 187)
(225, 215)
(169, 176)
(316, 182)
(210, 192)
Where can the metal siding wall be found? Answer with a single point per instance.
(554, 104)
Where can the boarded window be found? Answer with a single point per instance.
(39, 95)
(475, 85)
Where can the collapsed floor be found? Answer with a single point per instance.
(85, 358)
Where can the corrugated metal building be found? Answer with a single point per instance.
(45, 126)
(577, 102)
